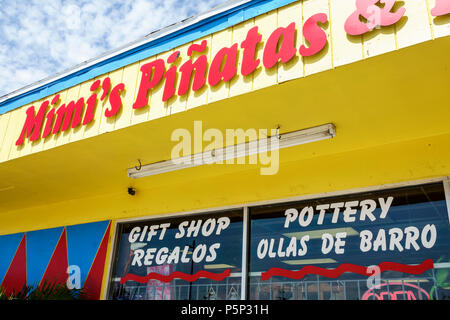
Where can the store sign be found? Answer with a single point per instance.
(55, 116)
(279, 47)
(63, 117)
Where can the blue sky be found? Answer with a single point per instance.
(42, 37)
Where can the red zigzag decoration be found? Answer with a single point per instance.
(176, 274)
(346, 267)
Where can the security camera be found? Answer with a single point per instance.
(131, 191)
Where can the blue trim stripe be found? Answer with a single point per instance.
(202, 28)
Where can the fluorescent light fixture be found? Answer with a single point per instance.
(309, 261)
(317, 234)
(217, 266)
(282, 141)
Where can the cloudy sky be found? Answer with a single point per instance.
(41, 37)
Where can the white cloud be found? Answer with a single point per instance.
(42, 37)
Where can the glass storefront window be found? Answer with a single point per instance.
(319, 249)
(157, 259)
(391, 244)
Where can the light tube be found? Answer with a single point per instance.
(285, 140)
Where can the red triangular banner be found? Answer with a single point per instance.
(93, 284)
(16, 276)
(56, 271)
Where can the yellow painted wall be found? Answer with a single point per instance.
(381, 103)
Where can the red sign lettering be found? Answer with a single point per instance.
(286, 50)
(32, 127)
(227, 58)
(316, 37)
(152, 74)
(188, 68)
(280, 47)
(249, 64)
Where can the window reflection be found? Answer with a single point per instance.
(406, 225)
(188, 258)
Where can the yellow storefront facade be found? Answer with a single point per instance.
(384, 93)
